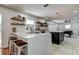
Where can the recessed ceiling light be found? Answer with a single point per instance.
(75, 11)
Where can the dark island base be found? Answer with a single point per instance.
(57, 37)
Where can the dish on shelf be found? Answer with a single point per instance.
(18, 18)
(17, 24)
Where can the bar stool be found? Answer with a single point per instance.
(10, 43)
(18, 46)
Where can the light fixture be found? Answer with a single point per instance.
(75, 11)
(58, 14)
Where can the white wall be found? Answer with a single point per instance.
(6, 27)
(0, 30)
(74, 24)
(75, 28)
(52, 26)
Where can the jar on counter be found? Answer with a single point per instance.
(13, 29)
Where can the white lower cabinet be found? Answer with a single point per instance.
(39, 44)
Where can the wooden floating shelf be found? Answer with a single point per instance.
(42, 24)
(18, 19)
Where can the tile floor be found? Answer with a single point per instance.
(70, 46)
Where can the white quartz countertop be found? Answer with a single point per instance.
(56, 31)
(29, 35)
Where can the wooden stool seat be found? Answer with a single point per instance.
(20, 42)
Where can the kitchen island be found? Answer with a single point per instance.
(57, 37)
(38, 44)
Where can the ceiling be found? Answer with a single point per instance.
(51, 12)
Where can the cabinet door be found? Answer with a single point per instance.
(55, 37)
(61, 37)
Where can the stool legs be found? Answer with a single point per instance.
(19, 51)
(16, 46)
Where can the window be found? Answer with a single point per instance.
(30, 22)
(67, 26)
